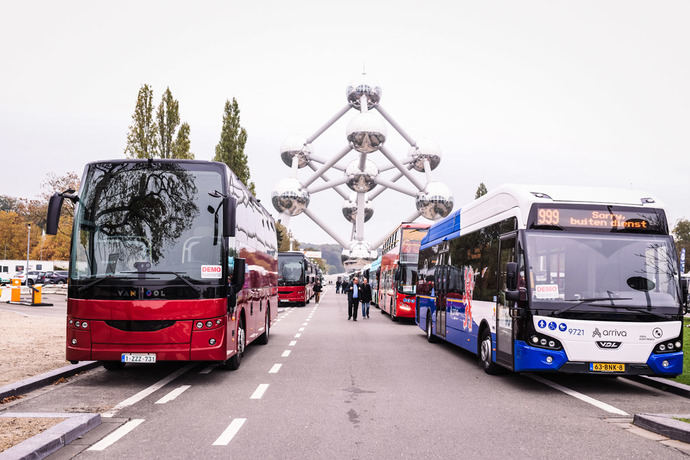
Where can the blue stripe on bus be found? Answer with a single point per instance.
(675, 361)
(529, 358)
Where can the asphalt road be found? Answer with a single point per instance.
(340, 389)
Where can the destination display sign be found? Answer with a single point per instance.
(598, 218)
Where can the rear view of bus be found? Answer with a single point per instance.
(170, 260)
(547, 278)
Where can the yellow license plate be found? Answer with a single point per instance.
(607, 367)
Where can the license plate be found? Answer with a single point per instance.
(138, 358)
(284, 300)
(607, 367)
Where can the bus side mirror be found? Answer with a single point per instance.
(511, 276)
(229, 217)
(54, 208)
(238, 274)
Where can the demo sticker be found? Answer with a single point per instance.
(211, 271)
(546, 291)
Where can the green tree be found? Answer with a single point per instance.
(481, 190)
(182, 144)
(681, 234)
(167, 118)
(283, 237)
(230, 148)
(141, 140)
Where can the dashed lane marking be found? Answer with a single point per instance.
(147, 391)
(259, 392)
(276, 367)
(298, 335)
(304, 324)
(582, 397)
(173, 394)
(113, 437)
(292, 343)
(230, 432)
(300, 329)
(286, 353)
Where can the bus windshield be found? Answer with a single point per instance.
(408, 279)
(290, 270)
(411, 240)
(595, 272)
(148, 217)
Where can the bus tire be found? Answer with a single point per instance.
(393, 313)
(263, 338)
(234, 363)
(430, 337)
(485, 347)
(113, 365)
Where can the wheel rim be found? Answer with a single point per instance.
(486, 350)
(428, 328)
(240, 337)
(267, 325)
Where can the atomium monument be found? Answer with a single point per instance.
(366, 134)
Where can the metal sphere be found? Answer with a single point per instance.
(363, 86)
(289, 197)
(435, 202)
(366, 132)
(350, 210)
(295, 146)
(361, 181)
(426, 150)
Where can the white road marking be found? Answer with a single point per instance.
(276, 367)
(292, 343)
(207, 369)
(589, 400)
(286, 353)
(304, 324)
(147, 391)
(116, 435)
(230, 432)
(173, 394)
(298, 335)
(259, 392)
(300, 329)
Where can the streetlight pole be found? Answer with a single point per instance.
(28, 242)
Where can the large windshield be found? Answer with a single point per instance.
(411, 240)
(408, 279)
(595, 272)
(290, 270)
(148, 217)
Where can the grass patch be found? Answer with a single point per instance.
(685, 376)
(686, 420)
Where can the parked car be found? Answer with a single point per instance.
(5, 278)
(56, 277)
(36, 277)
(20, 275)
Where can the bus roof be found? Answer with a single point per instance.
(517, 199)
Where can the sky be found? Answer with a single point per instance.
(590, 93)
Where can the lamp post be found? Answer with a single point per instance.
(28, 242)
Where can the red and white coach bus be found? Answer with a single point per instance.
(296, 276)
(171, 260)
(398, 275)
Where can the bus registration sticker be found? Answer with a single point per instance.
(546, 291)
(607, 367)
(211, 271)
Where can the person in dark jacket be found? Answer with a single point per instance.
(337, 286)
(365, 297)
(317, 290)
(353, 296)
(343, 287)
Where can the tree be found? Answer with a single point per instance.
(681, 234)
(230, 148)
(141, 140)
(283, 237)
(481, 191)
(181, 145)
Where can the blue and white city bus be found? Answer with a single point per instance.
(547, 278)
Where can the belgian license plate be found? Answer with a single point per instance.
(284, 300)
(607, 367)
(138, 357)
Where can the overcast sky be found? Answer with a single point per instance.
(582, 92)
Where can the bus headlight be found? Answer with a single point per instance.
(199, 325)
(544, 341)
(669, 346)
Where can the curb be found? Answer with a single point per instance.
(52, 439)
(41, 380)
(665, 425)
(661, 383)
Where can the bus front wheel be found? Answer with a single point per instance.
(263, 338)
(485, 347)
(430, 337)
(234, 363)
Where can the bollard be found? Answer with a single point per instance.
(36, 291)
(16, 295)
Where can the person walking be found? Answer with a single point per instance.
(317, 290)
(337, 286)
(353, 295)
(343, 287)
(365, 297)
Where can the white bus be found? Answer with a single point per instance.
(549, 278)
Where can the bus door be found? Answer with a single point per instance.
(441, 285)
(505, 324)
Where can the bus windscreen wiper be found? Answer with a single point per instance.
(581, 301)
(186, 281)
(100, 280)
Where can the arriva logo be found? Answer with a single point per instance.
(608, 333)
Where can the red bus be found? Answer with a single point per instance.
(171, 260)
(296, 276)
(398, 275)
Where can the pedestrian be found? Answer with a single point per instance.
(353, 295)
(317, 290)
(343, 287)
(337, 286)
(365, 297)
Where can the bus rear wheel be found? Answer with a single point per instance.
(234, 363)
(430, 337)
(485, 347)
(263, 338)
(393, 312)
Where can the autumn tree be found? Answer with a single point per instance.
(681, 234)
(141, 140)
(230, 148)
(481, 191)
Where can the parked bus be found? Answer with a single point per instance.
(398, 270)
(296, 275)
(537, 278)
(371, 272)
(171, 260)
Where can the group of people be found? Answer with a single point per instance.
(356, 294)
